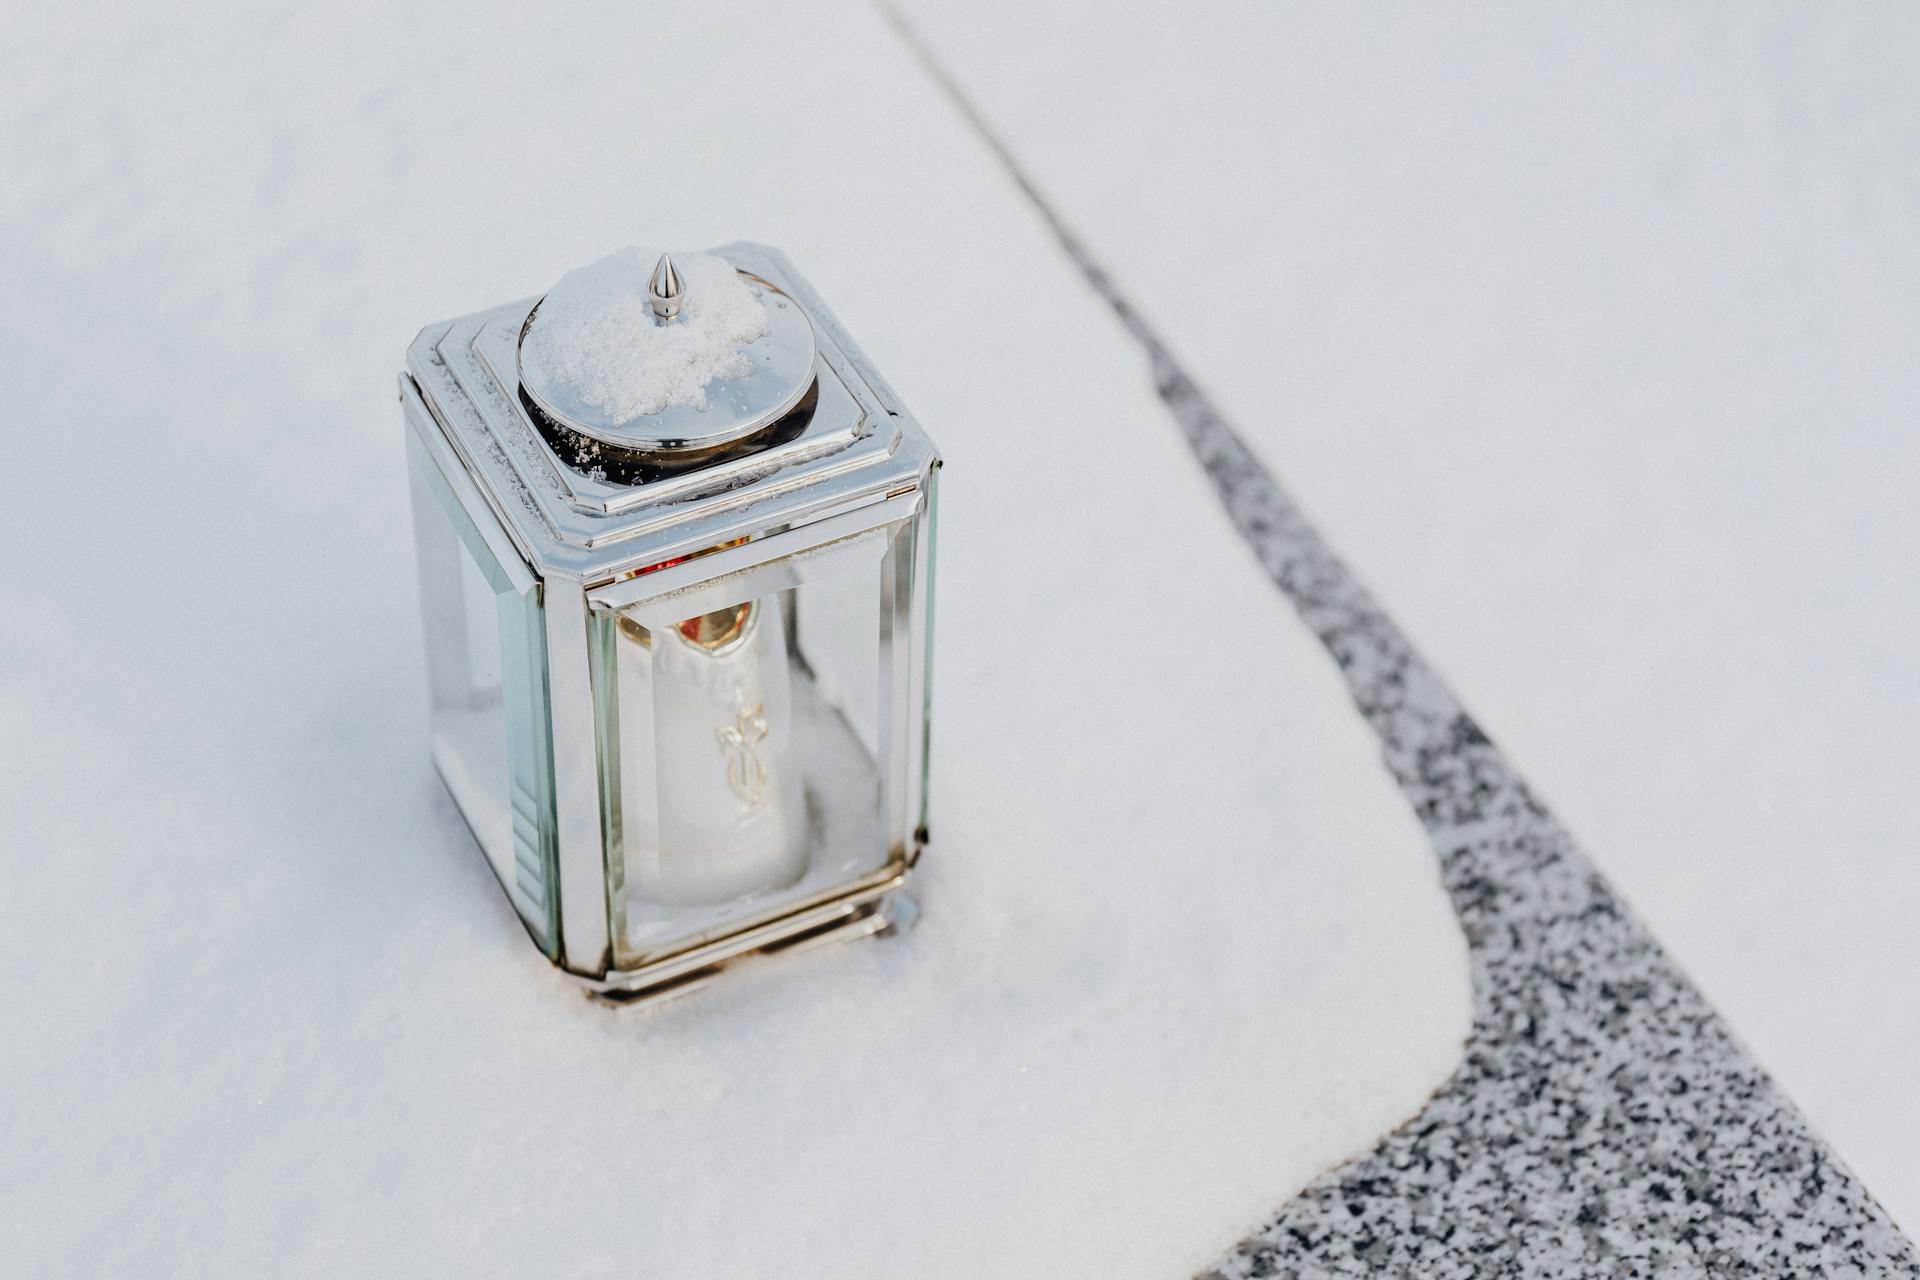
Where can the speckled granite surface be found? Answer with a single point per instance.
(1604, 1123)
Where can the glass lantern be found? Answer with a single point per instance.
(677, 624)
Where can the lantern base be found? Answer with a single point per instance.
(891, 912)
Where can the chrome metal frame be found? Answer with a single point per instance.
(861, 462)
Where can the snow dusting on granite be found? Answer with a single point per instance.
(1586, 339)
(1604, 1122)
(596, 332)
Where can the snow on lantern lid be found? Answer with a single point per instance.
(672, 360)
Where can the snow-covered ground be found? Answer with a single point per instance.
(1587, 337)
(265, 1011)
(1587, 334)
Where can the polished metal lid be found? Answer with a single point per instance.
(780, 366)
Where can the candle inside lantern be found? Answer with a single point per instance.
(732, 813)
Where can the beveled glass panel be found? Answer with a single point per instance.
(743, 729)
(487, 689)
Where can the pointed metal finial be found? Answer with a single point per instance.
(664, 290)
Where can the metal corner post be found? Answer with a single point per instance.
(584, 941)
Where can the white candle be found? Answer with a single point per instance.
(731, 805)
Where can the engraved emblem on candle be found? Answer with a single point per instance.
(746, 771)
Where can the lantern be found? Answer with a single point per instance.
(675, 545)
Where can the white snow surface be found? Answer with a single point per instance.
(266, 1012)
(596, 332)
(1587, 335)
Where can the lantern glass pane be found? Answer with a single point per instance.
(745, 728)
(487, 693)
